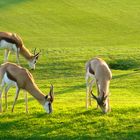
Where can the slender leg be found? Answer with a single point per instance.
(2, 72)
(98, 92)
(6, 106)
(0, 101)
(87, 96)
(2, 87)
(89, 86)
(17, 56)
(87, 91)
(26, 101)
(16, 96)
(6, 91)
(90, 89)
(6, 55)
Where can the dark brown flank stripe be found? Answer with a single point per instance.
(9, 40)
(11, 77)
(90, 69)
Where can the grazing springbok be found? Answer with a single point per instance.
(11, 42)
(12, 74)
(97, 70)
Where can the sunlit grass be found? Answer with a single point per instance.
(69, 33)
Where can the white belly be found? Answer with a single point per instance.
(6, 45)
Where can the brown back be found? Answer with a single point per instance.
(21, 75)
(11, 38)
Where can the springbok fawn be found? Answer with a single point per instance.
(12, 74)
(99, 72)
(12, 42)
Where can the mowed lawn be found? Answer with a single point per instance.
(69, 33)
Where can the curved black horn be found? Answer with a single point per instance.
(51, 93)
(93, 96)
(37, 53)
(34, 51)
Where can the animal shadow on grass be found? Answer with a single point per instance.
(19, 101)
(126, 110)
(91, 111)
(123, 64)
(71, 89)
(40, 114)
(124, 75)
(8, 3)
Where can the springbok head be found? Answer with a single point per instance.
(49, 100)
(33, 60)
(102, 102)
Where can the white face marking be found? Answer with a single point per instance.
(46, 107)
(105, 108)
(32, 63)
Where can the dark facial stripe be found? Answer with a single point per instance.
(50, 107)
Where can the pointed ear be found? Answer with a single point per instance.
(51, 93)
(34, 51)
(93, 96)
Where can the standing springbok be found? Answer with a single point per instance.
(12, 74)
(12, 42)
(98, 71)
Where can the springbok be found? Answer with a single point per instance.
(97, 70)
(12, 74)
(11, 42)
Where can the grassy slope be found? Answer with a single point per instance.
(69, 33)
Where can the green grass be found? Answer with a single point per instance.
(69, 33)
